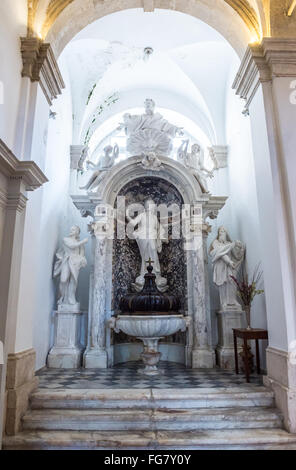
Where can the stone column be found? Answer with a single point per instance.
(202, 354)
(267, 82)
(206, 229)
(96, 354)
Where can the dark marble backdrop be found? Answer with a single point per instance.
(126, 256)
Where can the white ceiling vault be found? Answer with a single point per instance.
(188, 72)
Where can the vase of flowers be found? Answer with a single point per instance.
(247, 289)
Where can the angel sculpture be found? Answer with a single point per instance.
(105, 164)
(151, 161)
(194, 161)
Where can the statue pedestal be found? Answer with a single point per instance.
(227, 320)
(66, 352)
(203, 358)
(95, 359)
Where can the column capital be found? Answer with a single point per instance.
(274, 57)
(40, 65)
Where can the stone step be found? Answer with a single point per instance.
(152, 398)
(249, 439)
(146, 420)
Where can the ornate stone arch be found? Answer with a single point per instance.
(235, 20)
(171, 171)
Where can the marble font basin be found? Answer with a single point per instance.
(150, 329)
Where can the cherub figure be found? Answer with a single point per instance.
(151, 161)
(194, 161)
(106, 162)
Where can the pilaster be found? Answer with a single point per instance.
(266, 81)
(20, 177)
(95, 355)
(203, 354)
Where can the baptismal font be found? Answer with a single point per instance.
(149, 315)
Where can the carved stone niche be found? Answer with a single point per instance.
(40, 65)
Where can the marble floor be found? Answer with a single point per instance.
(127, 376)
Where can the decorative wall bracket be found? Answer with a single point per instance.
(219, 156)
(40, 65)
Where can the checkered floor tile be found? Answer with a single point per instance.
(127, 376)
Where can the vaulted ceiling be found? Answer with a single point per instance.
(187, 73)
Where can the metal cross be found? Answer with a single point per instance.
(150, 262)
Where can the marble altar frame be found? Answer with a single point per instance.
(198, 351)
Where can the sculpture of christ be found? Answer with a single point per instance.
(149, 234)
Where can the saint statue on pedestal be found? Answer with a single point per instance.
(227, 257)
(150, 234)
(70, 259)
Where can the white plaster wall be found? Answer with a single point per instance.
(30, 257)
(52, 215)
(271, 227)
(57, 215)
(13, 21)
(245, 223)
(240, 215)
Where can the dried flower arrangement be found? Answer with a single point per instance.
(248, 289)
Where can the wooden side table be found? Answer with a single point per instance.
(246, 335)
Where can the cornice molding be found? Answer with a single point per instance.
(13, 168)
(274, 57)
(40, 65)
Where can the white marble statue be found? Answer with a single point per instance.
(149, 132)
(150, 234)
(70, 259)
(151, 161)
(105, 163)
(194, 161)
(227, 257)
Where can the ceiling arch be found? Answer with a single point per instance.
(236, 20)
